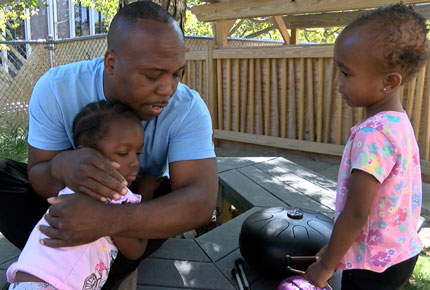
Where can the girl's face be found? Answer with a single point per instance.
(360, 80)
(123, 144)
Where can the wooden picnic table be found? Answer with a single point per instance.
(250, 184)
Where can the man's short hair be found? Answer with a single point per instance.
(131, 13)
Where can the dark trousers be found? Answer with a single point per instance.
(391, 279)
(21, 208)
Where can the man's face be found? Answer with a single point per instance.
(144, 71)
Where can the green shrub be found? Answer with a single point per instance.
(13, 138)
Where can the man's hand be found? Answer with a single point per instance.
(75, 219)
(84, 170)
(87, 171)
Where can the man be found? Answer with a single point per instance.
(142, 68)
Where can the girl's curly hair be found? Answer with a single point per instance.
(403, 36)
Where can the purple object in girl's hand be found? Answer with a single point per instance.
(298, 283)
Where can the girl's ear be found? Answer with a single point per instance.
(392, 81)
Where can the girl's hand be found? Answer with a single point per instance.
(318, 274)
(321, 253)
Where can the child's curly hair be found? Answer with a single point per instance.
(91, 124)
(403, 36)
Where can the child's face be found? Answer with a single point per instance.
(123, 144)
(360, 78)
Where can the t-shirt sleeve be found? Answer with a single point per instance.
(372, 152)
(46, 125)
(193, 138)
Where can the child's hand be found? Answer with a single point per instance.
(318, 274)
(321, 253)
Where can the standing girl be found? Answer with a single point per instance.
(378, 202)
(114, 130)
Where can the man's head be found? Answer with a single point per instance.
(145, 59)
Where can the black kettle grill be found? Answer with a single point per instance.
(268, 236)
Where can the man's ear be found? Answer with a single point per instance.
(392, 80)
(109, 61)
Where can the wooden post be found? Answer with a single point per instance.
(222, 29)
(294, 39)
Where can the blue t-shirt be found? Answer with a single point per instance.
(183, 131)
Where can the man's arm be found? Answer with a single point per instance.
(83, 170)
(189, 205)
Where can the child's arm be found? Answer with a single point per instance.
(131, 248)
(362, 190)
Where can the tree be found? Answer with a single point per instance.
(109, 8)
(13, 12)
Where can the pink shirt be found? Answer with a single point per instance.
(385, 147)
(81, 267)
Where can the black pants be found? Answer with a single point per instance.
(21, 208)
(391, 279)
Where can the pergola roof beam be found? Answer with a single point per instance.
(260, 8)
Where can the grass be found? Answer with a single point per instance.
(13, 139)
(421, 276)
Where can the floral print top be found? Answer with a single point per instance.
(385, 147)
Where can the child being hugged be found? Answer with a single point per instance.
(115, 130)
(378, 201)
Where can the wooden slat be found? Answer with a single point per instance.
(194, 75)
(228, 95)
(310, 98)
(419, 101)
(251, 96)
(274, 99)
(220, 93)
(236, 77)
(243, 95)
(320, 94)
(266, 96)
(210, 89)
(301, 100)
(338, 124)
(328, 97)
(258, 98)
(260, 8)
(200, 88)
(284, 77)
(188, 72)
(411, 96)
(291, 99)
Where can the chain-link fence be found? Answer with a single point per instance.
(23, 62)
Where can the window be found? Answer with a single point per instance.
(99, 21)
(82, 20)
